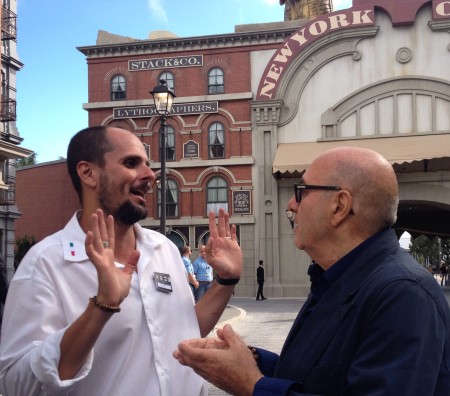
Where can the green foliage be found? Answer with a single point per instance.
(30, 160)
(22, 246)
(426, 251)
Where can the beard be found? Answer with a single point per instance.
(126, 213)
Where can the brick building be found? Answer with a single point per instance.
(10, 139)
(254, 107)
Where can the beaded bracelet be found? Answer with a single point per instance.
(226, 282)
(103, 307)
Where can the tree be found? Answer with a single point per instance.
(428, 251)
(30, 160)
(22, 246)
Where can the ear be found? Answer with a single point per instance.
(88, 173)
(341, 208)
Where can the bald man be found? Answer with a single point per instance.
(375, 322)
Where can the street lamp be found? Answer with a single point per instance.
(163, 96)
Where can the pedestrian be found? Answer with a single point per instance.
(98, 307)
(444, 273)
(375, 322)
(3, 286)
(260, 280)
(203, 273)
(186, 257)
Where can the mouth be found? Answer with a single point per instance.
(140, 192)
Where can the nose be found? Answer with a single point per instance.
(292, 204)
(149, 175)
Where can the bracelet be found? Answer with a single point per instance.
(103, 307)
(227, 282)
(254, 353)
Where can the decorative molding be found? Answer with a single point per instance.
(404, 55)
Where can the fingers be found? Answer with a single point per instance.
(102, 231)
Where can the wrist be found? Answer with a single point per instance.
(227, 281)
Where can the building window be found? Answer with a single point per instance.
(170, 144)
(216, 195)
(171, 198)
(215, 81)
(168, 77)
(216, 143)
(118, 88)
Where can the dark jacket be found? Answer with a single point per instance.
(383, 328)
(260, 274)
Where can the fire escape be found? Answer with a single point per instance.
(9, 32)
(8, 105)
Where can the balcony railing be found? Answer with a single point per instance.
(9, 24)
(8, 110)
(8, 196)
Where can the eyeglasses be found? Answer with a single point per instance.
(298, 188)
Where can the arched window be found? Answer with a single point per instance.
(168, 77)
(215, 81)
(216, 195)
(118, 87)
(170, 144)
(171, 199)
(216, 140)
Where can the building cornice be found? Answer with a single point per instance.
(219, 41)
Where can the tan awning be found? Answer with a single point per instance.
(296, 157)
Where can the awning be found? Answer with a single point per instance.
(296, 157)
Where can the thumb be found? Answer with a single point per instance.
(131, 263)
(230, 336)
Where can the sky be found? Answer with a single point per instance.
(52, 85)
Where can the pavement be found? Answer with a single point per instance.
(265, 323)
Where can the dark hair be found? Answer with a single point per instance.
(185, 249)
(260, 262)
(89, 144)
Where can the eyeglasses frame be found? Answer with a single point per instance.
(298, 188)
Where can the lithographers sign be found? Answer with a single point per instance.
(242, 202)
(177, 109)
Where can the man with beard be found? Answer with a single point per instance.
(62, 330)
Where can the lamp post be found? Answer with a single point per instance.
(163, 96)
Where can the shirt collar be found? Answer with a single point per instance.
(322, 280)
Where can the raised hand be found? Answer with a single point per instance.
(222, 250)
(113, 283)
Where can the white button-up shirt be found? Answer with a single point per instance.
(132, 356)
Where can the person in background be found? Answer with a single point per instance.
(375, 322)
(444, 274)
(203, 273)
(3, 286)
(186, 257)
(260, 280)
(98, 307)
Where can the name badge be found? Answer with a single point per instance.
(162, 282)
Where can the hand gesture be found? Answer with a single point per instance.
(222, 250)
(113, 283)
(226, 361)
